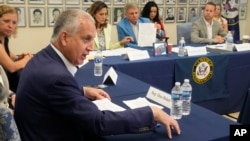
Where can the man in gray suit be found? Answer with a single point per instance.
(206, 30)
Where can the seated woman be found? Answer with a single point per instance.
(151, 11)
(98, 11)
(11, 63)
(219, 18)
(8, 128)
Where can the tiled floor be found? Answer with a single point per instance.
(232, 116)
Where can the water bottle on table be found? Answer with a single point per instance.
(186, 97)
(176, 101)
(229, 41)
(98, 63)
(182, 50)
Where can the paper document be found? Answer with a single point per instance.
(113, 52)
(140, 102)
(146, 34)
(105, 104)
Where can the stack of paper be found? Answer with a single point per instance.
(106, 104)
(140, 102)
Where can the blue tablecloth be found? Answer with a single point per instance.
(159, 71)
(200, 125)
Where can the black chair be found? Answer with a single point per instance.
(244, 116)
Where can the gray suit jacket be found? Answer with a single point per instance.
(199, 31)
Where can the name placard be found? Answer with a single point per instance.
(193, 51)
(110, 77)
(242, 47)
(137, 55)
(159, 96)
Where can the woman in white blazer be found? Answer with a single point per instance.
(102, 41)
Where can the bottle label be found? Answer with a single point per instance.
(186, 94)
(176, 96)
(97, 60)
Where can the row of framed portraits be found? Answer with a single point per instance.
(39, 16)
(115, 2)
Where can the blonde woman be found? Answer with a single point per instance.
(219, 18)
(11, 63)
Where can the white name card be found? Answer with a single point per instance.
(137, 55)
(110, 77)
(242, 47)
(159, 96)
(193, 51)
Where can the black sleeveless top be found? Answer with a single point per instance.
(12, 77)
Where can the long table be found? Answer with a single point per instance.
(201, 124)
(159, 71)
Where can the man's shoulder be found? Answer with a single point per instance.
(143, 19)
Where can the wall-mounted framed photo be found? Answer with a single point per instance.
(182, 1)
(243, 2)
(72, 7)
(161, 12)
(37, 16)
(84, 2)
(21, 16)
(242, 12)
(169, 2)
(15, 1)
(200, 10)
(216, 1)
(108, 2)
(119, 2)
(85, 9)
(169, 15)
(55, 1)
(193, 14)
(118, 14)
(74, 2)
(36, 1)
(159, 2)
(193, 1)
(181, 14)
(53, 13)
(135, 1)
(203, 2)
(109, 15)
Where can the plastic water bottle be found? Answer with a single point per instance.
(98, 63)
(182, 44)
(229, 41)
(186, 97)
(176, 101)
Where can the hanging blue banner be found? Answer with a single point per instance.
(230, 11)
(207, 76)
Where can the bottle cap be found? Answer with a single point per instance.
(177, 83)
(186, 80)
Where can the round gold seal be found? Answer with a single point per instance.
(202, 70)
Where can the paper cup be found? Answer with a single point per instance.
(245, 39)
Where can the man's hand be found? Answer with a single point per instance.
(95, 94)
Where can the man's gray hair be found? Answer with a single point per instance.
(130, 5)
(69, 21)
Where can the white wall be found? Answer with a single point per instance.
(34, 39)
